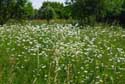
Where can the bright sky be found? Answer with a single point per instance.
(37, 3)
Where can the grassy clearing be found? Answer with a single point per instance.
(61, 54)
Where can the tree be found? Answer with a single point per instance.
(58, 8)
(29, 10)
(67, 12)
(6, 10)
(22, 9)
(122, 14)
(112, 10)
(85, 10)
(46, 12)
(14, 9)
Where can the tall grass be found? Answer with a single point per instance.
(61, 54)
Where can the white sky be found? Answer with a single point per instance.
(37, 3)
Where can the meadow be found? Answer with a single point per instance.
(62, 54)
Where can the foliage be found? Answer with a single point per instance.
(122, 14)
(61, 11)
(14, 9)
(6, 7)
(83, 9)
(58, 8)
(62, 54)
(47, 13)
(67, 12)
(29, 10)
(23, 9)
(112, 10)
(98, 10)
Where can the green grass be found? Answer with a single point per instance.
(62, 54)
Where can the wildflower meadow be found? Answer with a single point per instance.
(62, 54)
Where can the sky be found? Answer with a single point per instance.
(37, 3)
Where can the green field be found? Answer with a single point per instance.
(62, 54)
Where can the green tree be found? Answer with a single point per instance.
(85, 10)
(47, 13)
(58, 8)
(6, 10)
(14, 9)
(29, 10)
(60, 11)
(113, 10)
(20, 9)
(122, 14)
(67, 12)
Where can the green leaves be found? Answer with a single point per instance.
(114, 6)
(6, 7)
(14, 9)
(47, 13)
(83, 9)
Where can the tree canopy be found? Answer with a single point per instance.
(101, 10)
(14, 9)
(83, 11)
(6, 11)
(46, 12)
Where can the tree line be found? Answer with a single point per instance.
(53, 10)
(81, 11)
(91, 11)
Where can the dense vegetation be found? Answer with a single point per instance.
(14, 9)
(91, 11)
(89, 51)
(81, 11)
(62, 54)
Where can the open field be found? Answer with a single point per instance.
(61, 54)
